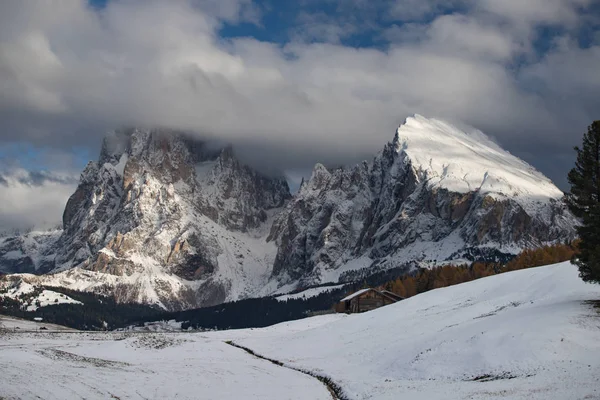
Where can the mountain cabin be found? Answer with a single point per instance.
(366, 300)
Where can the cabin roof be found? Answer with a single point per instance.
(392, 294)
(353, 295)
(385, 293)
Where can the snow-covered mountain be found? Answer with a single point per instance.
(164, 219)
(435, 193)
(160, 219)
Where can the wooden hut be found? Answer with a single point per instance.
(392, 294)
(366, 300)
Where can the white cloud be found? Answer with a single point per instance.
(66, 70)
(33, 200)
(562, 12)
(466, 35)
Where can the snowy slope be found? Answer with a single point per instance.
(521, 335)
(308, 293)
(14, 324)
(142, 366)
(242, 268)
(464, 161)
(525, 335)
(50, 298)
(30, 298)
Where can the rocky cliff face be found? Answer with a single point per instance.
(434, 194)
(163, 219)
(30, 252)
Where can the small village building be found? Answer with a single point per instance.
(366, 300)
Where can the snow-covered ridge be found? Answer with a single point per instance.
(25, 292)
(162, 218)
(463, 161)
(435, 194)
(308, 293)
(28, 251)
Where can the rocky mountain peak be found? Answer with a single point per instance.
(435, 193)
(161, 203)
(463, 161)
(166, 219)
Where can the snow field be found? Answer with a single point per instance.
(529, 334)
(14, 324)
(143, 366)
(524, 335)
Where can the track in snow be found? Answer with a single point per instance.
(334, 389)
(141, 366)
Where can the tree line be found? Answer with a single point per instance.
(98, 312)
(448, 275)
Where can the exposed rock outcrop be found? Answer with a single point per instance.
(167, 220)
(402, 207)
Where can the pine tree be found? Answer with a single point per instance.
(584, 201)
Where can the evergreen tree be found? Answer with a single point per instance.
(584, 202)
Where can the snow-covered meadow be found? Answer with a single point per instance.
(142, 366)
(530, 334)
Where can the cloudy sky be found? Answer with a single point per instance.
(291, 83)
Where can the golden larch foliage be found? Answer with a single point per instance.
(449, 275)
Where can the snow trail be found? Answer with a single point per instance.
(334, 389)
